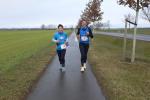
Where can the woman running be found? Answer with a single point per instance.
(84, 34)
(61, 40)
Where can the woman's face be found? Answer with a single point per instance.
(60, 29)
(84, 23)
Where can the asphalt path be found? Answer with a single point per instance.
(69, 85)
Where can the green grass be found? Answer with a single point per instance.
(16, 46)
(121, 80)
(24, 54)
(145, 31)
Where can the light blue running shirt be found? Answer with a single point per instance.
(62, 37)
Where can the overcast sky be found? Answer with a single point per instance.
(33, 13)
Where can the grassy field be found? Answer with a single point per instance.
(121, 80)
(145, 31)
(24, 54)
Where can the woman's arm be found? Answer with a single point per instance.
(90, 32)
(78, 34)
(55, 39)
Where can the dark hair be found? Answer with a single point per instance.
(87, 22)
(60, 25)
(83, 20)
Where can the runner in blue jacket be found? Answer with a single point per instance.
(84, 34)
(61, 40)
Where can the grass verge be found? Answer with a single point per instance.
(121, 80)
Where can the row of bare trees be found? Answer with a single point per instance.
(52, 26)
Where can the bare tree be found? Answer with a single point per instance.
(108, 24)
(98, 25)
(136, 5)
(146, 13)
(43, 26)
(130, 18)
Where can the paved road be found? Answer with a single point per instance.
(71, 85)
(129, 36)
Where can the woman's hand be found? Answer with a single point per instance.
(57, 41)
(87, 33)
(78, 37)
(66, 43)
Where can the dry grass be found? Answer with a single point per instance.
(121, 80)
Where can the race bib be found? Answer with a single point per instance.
(84, 38)
(63, 46)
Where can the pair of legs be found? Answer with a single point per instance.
(61, 56)
(83, 50)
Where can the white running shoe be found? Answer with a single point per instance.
(82, 69)
(63, 69)
(84, 65)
